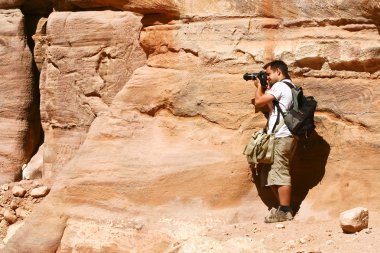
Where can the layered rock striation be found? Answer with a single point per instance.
(87, 58)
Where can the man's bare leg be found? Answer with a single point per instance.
(284, 194)
(284, 211)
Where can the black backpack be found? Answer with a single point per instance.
(300, 117)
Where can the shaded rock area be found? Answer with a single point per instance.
(145, 116)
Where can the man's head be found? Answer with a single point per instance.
(276, 71)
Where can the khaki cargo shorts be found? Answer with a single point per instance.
(278, 172)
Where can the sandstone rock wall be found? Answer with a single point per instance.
(20, 121)
(147, 144)
(165, 7)
(88, 57)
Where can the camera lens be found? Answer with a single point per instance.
(249, 76)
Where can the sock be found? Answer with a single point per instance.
(285, 208)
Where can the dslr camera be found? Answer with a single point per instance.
(262, 76)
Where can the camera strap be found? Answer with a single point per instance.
(279, 121)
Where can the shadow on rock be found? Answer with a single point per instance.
(308, 167)
(307, 170)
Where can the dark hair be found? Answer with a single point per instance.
(278, 64)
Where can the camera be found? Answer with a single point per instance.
(262, 76)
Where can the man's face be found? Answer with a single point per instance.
(273, 76)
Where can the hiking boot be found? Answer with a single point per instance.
(276, 215)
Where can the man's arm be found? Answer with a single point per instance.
(262, 99)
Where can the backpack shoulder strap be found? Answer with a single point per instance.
(277, 104)
(279, 121)
(290, 85)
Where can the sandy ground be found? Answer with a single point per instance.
(310, 231)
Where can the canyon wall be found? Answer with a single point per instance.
(20, 120)
(145, 114)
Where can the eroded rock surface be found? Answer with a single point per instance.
(166, 7)
(19, 114)
(88, 58)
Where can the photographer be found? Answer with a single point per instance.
(277, 175)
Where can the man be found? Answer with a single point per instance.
(277, 175)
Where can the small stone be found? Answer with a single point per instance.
(138, 227)
(10, 217)
(354, 220)
(280, 226)
(14, 205)
(329, 242)
(305, 239)
(18, 191)
(5, 187)
(38, 192)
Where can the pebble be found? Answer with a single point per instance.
(18, 191)
(38, 192)
(305, 239)
(10, 217)
(14, 205)
(138, 227)
(280, 226)
(354, 220)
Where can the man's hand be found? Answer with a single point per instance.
(256, 82)
(262, 99)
